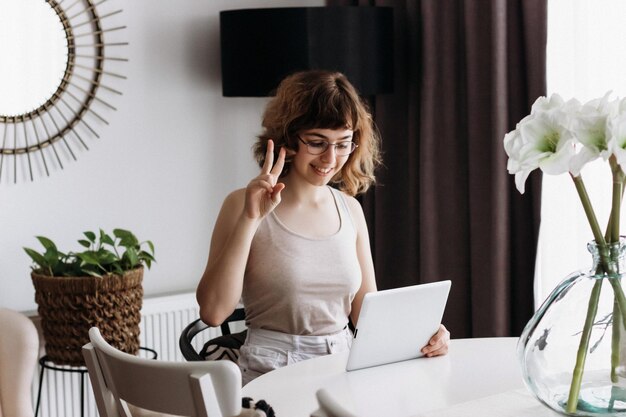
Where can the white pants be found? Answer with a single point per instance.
(266, 350)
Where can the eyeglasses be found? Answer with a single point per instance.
(318, 147)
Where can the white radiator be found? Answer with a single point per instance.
(162, 321)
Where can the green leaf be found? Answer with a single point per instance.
(151, 246)
(107, 239)
(106, 257)
(37, 258)
(131, 255)
(91, 236)
(52, 251)
(143, 255)
(92, 273)
(88, 258)
(74, 269)
(47, 243)
(127, 239)
(121, 233)
(84, 243)
(52, 258)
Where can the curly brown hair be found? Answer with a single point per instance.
(322, 100)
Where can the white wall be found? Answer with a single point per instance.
(173, 150)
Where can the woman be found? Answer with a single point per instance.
(293, 248)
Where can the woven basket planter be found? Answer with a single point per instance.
(70, 306)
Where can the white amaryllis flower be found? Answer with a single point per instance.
(541, 140)
(591, 130)
(544, 104)
(617, 133)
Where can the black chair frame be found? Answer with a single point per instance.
(197, 326)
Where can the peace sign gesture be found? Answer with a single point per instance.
(263, 192)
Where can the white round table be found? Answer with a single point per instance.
(473, 368)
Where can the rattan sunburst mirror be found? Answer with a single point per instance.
(54, 87)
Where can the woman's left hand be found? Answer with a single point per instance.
(438, 344)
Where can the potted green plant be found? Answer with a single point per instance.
(99, 286)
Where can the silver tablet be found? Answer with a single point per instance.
(395, 324)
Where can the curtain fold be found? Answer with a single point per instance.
(445, 207)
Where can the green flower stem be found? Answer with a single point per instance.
(615, 337)
(618, 186)
(581, 356)
(591, 217)
(613, 235)
(619, 297)
(614, 228)
(592, 308)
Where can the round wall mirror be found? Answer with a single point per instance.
(54, 81)
(36, 49)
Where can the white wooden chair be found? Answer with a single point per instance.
(19, 348)
(329, 407)
(194, 389)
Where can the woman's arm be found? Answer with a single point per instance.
(221, 285)
(364, 254)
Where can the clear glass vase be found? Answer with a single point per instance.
(573, 367)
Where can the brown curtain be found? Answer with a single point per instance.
(445, 208)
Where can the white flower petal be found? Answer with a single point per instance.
(558, 162)
(617, 141)
(592, 132)
(512, 142)
(620, 155)
(543, 104)
(620, 106)
(599, 104)
(520, 180)
(579, 160)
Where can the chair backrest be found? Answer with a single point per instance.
(197, 326)
(19, 348)
(195, 389)
(329, 407)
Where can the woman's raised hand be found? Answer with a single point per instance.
(263, 192)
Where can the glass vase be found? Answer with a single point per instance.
(573, 350)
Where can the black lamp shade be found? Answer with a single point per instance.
(262, 46)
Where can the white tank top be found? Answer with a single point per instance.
(300, 285)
